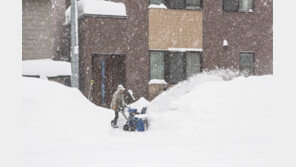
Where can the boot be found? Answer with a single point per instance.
(114, 124)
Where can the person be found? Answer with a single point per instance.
(117, 103)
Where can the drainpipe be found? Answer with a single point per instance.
(74, 45)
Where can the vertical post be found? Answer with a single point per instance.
(103, 82)
(74, 45)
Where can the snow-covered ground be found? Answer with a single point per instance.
(204, 122)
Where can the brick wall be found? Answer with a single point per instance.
(245, 32)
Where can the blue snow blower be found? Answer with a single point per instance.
(136, 121)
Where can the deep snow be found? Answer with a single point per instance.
(201, 122)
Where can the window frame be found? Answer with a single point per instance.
(254, 60)
(238, 8)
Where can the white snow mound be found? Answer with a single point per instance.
(139, 104)
(198, 106)
(54, 114)
(204, 121)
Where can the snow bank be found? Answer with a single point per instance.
(139, 104)
(226, 74)
(45, 67)
(204, 121)
(54, 114)
(199, 107)
(97, 7)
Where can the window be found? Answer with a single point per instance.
(246, 5)
(176, 4)
(246, 60)
(193, 4)
(193, 64)
(157, 2)
(156, 65)
(238, 5)
(230, 5)
(176, 67)
(184, 4)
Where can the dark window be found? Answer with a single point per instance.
(230, 5)
(246, 60)
(157, 2)
(193, 64)
(175, 4)
(193, 4)
(176, 67)
(184, 4)
(238, 5)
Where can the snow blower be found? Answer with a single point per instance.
(137, 121)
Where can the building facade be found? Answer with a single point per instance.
(162, 42)
(113, 50)
(247, 26)
(175, 42)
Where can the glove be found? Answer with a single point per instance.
(114, 108)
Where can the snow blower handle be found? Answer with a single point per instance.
(121, 110)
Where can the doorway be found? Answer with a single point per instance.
(108, 71)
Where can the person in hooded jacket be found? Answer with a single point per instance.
(117, 103)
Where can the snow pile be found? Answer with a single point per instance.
(97, 7)
(54, 114)
(204, 121)
(139, 104)
(226, 74)
(156, 6)
(45, 67)
(199, 107)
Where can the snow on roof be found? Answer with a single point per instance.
(160, 6)
(97, 7)
(45, 67)
(185, 49)
(157, 81)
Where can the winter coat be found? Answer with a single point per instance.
(117, 100)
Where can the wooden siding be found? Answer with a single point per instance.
(36, 29)
(175, 29)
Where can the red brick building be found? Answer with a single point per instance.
(169, 40)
